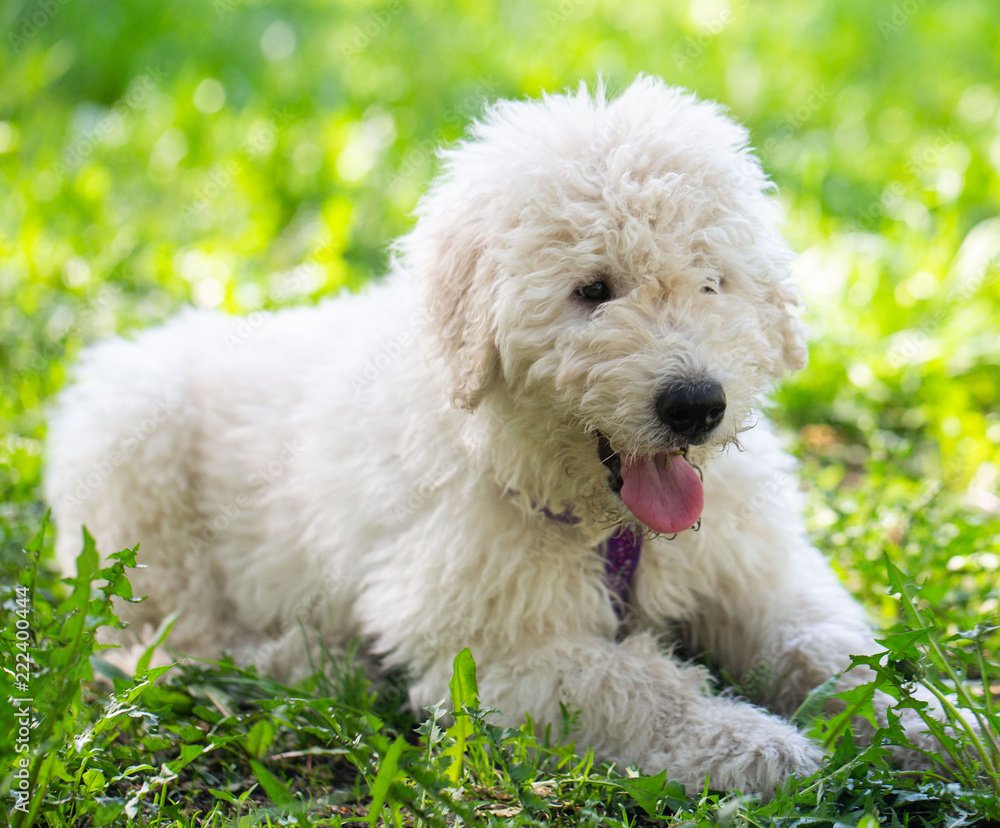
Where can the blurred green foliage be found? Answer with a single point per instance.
(251, 155)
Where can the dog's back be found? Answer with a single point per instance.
(191, 438)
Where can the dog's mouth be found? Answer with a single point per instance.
(662, 490)
(612, 460)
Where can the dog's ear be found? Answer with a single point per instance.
(456, 277)
(786, 326)
(459, 299)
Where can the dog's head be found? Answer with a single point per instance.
(611, 269)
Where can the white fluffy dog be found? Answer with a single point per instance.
(536, 438)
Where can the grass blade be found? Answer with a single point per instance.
(384, 779)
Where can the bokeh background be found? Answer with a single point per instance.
(244, 155)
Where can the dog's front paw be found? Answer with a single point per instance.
(751, 752)
(765, 760)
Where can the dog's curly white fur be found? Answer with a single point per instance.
(377, 466)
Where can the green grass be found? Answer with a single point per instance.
(154, 155)
(215, 745)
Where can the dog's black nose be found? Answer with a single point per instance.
(691, 409)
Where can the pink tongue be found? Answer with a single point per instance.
(666, 497)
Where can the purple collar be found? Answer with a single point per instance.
(621, 557)
(621, 553)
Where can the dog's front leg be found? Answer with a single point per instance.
(805, 635)
(638, 706)
(795, 630)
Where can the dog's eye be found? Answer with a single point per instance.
(709, 289)
(595, 292)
